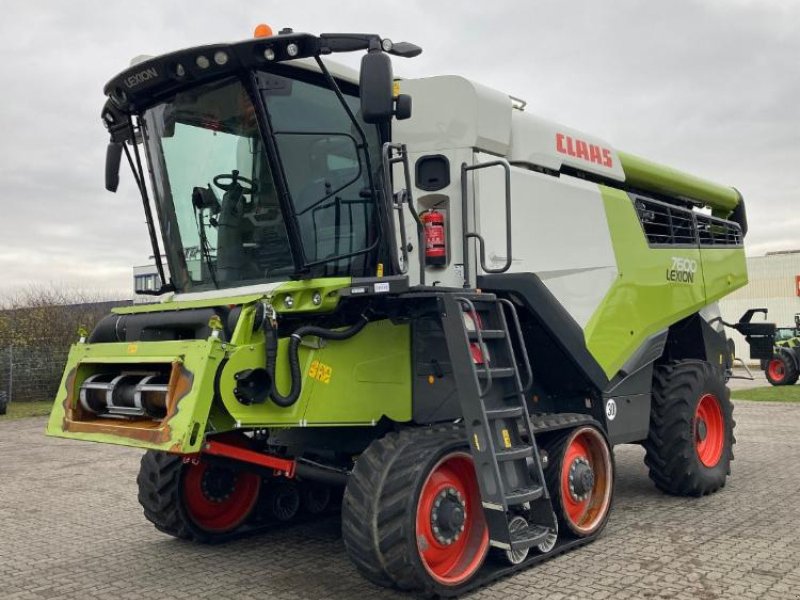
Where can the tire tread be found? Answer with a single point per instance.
(380, 495)
(670, 453)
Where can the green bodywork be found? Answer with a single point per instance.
(640, 302)
(788, 337)
(361, 380)
(646, 175)
(352, 382)
(790, 343)
(182, 432)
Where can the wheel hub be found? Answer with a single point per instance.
(581, 479)
(217, 484)
(448, 516)
(702, 430)
(709, 430)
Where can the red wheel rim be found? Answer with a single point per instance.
(223, 508)
(709, 430)
(586, 511)
(776, 369)
(453, 562)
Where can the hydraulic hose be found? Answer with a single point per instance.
(294, 360)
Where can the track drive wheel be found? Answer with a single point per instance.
(315, 498)
(690, 445)
(781, 370)
(195, 501)
(580, 478)
(412, 514)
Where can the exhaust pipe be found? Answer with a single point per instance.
(126, 395)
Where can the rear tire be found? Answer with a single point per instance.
(781, 370)
(690, 444)
(172, 495)
(390, 506)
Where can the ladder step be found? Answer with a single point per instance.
(497, 373)
(527, 538)
(487, 334)
(521, 496)
(515, 453)
(511, 412)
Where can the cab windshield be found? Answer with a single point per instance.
(217, 186)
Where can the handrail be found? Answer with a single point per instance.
(465, 222)
(484, 350)
(518, 332)
(388, 162)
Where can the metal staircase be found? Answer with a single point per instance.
(491, 391)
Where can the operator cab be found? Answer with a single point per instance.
(263, 167)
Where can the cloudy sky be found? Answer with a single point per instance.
(710, 86)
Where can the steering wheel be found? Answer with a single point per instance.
(235, 180)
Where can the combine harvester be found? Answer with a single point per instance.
(450, 316)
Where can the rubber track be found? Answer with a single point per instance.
(392, 565)
(359, 501)
(490, 572)
(493, 571)
(376, 502)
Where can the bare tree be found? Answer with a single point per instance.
(37, 326)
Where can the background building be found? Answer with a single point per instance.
(774, 285)
(146, 279)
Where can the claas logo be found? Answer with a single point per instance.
(566, 144)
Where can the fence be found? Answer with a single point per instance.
(34, 344)
(31, 375)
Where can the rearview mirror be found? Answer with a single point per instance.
(376, 81)
(113, 158)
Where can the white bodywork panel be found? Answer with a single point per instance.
(559, 231)
(541, 142)
(559, 226)
(452, 112)
(446, 200)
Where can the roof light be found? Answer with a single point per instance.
(269, 53)
(220, 57)
(262, 30)
(292, 49)
(202, 62)
(180, 70)
(387, 45)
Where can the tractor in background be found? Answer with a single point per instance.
(783, 367)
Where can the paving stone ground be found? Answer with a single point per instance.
(70, 527)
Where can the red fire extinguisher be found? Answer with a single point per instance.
(435, 248)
